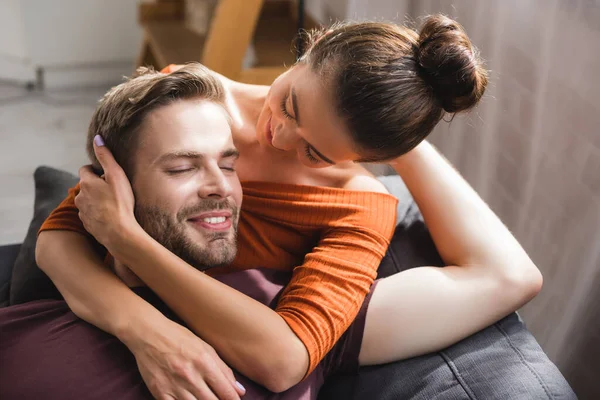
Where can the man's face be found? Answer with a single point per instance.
(187, 192)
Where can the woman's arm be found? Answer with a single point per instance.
(96, 295)
(268, 352)
(110, 305)
(250, 336)
(488, 275)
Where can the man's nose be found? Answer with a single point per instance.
(215, 184)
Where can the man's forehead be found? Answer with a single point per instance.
(192, 127)
(184, 111)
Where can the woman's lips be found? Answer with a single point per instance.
(268, 132)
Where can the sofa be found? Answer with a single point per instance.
(503, 361)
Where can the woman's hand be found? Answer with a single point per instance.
(176, 364)
(171, 68)
(106, 204)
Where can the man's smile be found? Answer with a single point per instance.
(213, 221)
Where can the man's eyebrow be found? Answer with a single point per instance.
(321, 156)
(178, 154)
(229, 153)
(295, 106)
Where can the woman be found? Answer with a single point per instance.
(362, 92)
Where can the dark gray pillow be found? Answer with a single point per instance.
(8, 255)
(28, 282)
(411, 245)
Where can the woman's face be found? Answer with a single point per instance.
(299, 116)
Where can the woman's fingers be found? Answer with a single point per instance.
(172, 360)
(183, 394)
(87, 172)
(171, 68)
(201, 391)
(108, 163)
(213, 372)
(239, 388)
(222, 386)
(227, 372)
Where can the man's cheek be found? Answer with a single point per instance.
(237, 192)
(167, 198)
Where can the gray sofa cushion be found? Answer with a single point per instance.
(411, 245)
(28, 282)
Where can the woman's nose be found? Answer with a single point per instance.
(285, 138)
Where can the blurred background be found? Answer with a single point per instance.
(531, 149)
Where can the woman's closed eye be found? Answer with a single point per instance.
(309, 155)
(284, 109)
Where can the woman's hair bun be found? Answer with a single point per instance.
(450, 64)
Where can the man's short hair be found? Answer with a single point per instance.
(122, 110)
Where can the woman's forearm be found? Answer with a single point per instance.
(248, 335)
(92, 291)
(170, 357)
(465, 231)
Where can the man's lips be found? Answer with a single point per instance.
(210, 214)
(214, 220)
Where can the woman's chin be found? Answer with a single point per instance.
(260, 139)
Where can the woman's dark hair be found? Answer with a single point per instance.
(391, 84)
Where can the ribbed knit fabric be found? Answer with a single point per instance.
(333, 239)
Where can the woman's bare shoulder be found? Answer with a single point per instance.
(366, 183)
(356, 177)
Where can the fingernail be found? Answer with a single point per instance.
(98, 140)
(240, 386)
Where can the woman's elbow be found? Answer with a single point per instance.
(525, 282)
(287, 370)
(534, 282)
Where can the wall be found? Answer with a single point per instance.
(389, 10)
(77, 43)
(326, 11)
(15, 64)
(83, 43)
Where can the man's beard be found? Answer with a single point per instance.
(172, 234)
